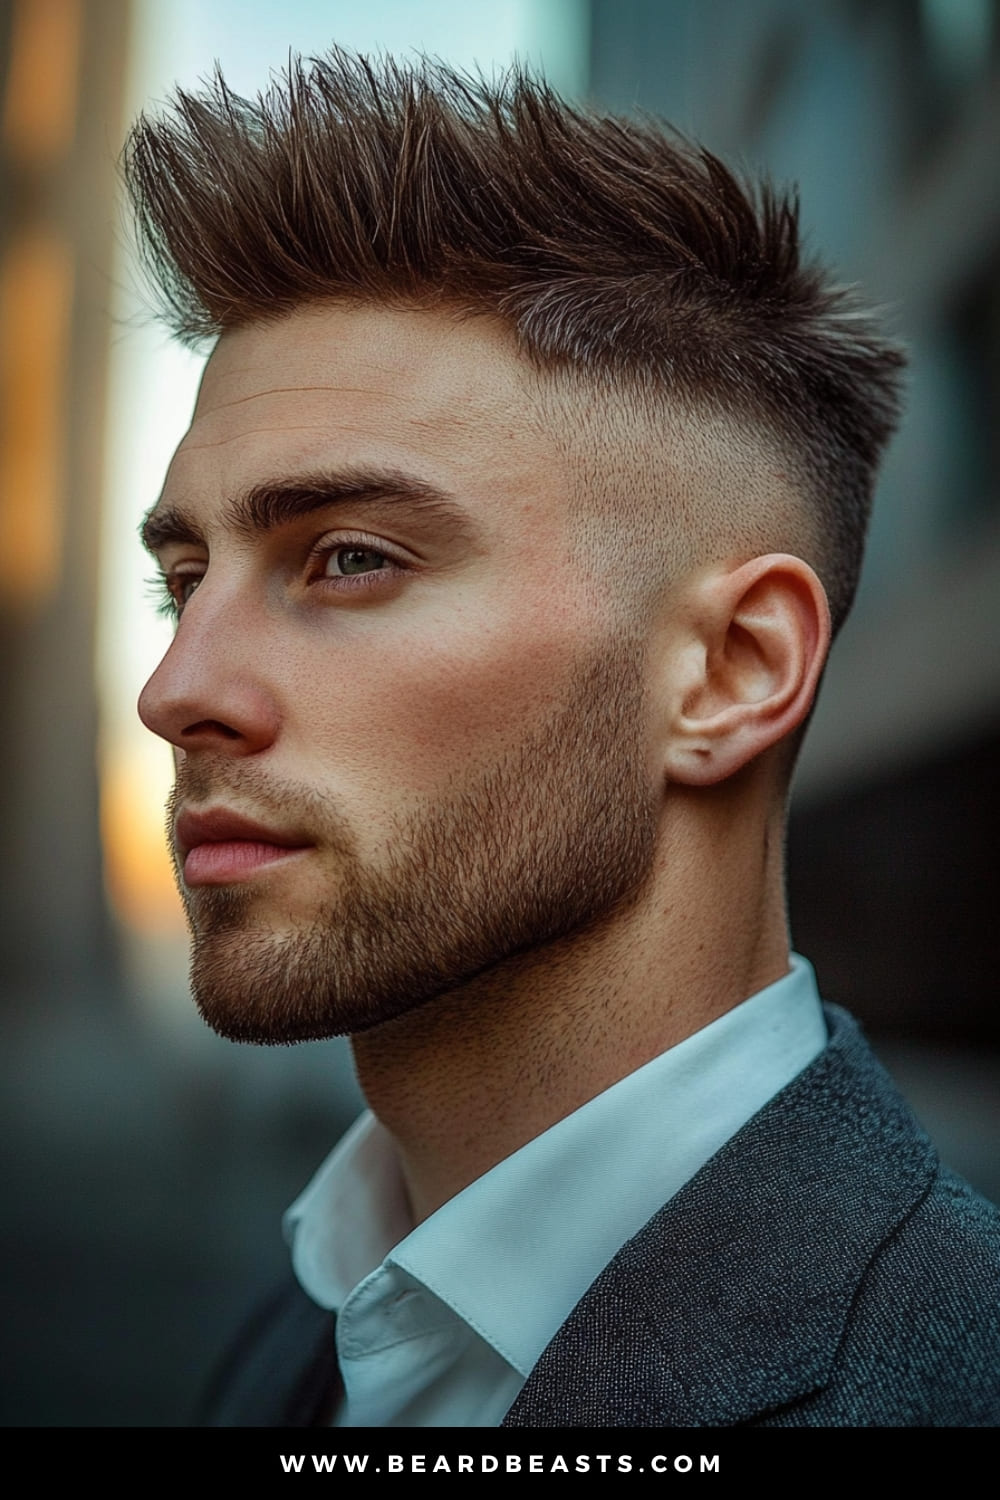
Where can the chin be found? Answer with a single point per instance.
(277, 989)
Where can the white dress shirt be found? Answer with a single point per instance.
(440, 1324)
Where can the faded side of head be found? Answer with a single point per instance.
(629, 263)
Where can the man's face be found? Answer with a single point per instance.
(410, 739)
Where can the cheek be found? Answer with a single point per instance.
(471, 706)
(405, 716)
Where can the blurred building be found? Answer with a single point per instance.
(62, 69)
(129, 1235)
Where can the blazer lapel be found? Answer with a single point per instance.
(734, 1297)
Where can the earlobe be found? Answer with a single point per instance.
(761, 633)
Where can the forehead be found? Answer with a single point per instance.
(446, 398)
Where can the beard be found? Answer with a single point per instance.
(552, 839)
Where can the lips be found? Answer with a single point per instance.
(219, 847)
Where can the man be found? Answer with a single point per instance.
(528, 478)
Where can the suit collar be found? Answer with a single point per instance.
(734, 1297)
(513, 1253)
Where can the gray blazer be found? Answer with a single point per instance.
(822, 1270)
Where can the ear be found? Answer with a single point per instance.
(757, 638)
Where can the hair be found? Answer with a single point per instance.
(614, 249)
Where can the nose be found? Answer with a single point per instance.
(209, 692)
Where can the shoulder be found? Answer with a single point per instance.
(281, 1369)
(821, 1270)
(922, 1345)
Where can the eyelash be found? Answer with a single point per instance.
(163, 586)
(158, 591)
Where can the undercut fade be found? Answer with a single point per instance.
(612, 247)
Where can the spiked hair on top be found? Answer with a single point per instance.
(612, 247)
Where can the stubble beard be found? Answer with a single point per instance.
(553, 839)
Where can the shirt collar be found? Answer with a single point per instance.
(513, 1253)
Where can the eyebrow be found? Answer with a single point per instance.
(276, 503)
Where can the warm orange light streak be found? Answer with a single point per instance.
(137, 868)
(36, 295)
(39, 107)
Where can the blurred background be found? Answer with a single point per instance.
(145, 1163)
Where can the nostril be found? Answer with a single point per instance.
(210, 726)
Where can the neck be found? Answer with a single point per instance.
(473, 1075)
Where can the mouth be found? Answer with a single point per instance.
(219, 847)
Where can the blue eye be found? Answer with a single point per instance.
(347, 561)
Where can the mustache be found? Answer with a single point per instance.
(259, 795)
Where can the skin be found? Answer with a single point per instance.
(348, 714)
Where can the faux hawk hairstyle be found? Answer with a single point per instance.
(612, 247)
